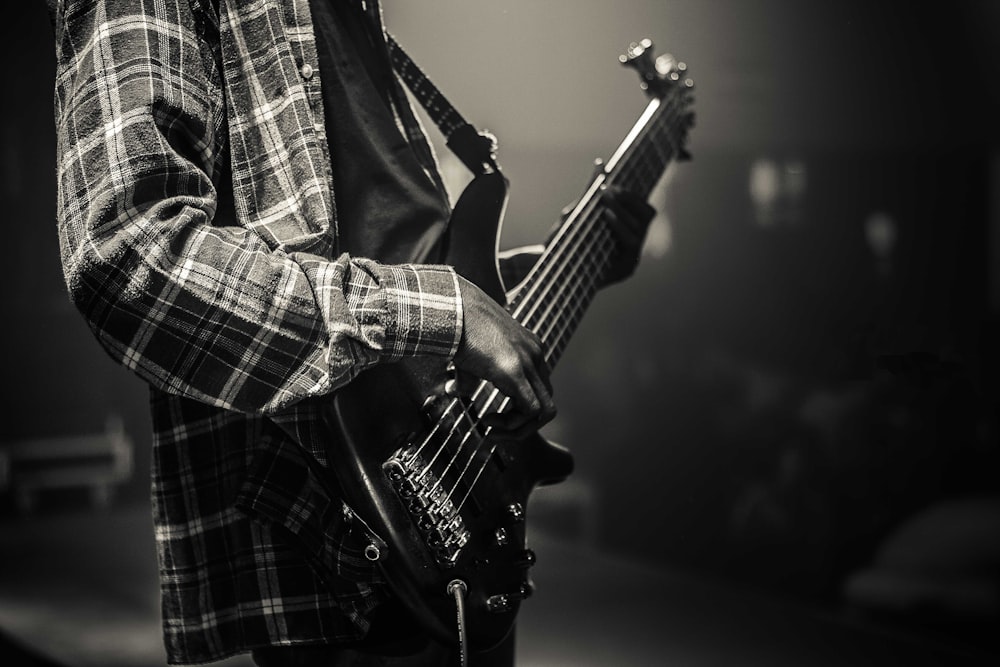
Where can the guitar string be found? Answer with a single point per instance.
(583, 285)
(655, 125)
(584, 289)
(492, 445)
(561, 254)
(580, 232)
(461, 446)
(581, 277)
(456, 402)
(484, 410)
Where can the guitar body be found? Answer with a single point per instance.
(383, 411)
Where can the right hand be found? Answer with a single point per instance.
(495, 347)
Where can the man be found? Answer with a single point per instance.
(241, 184)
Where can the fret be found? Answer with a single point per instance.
(563, 291)
(571, 271)
(662, 152)
(576, 296)
(568, 320)
(651, 158)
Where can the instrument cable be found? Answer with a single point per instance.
(457, 589)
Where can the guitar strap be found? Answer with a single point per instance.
(476, 150)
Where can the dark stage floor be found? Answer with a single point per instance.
(79, 589)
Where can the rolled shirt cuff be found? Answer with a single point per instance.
(423, 310)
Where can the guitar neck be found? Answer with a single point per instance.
(560, 287)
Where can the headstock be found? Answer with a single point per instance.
(658, 75)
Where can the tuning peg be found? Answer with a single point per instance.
(655, 75)
(637, 50)
(640, 56)
(666, 65)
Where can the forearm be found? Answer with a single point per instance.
(259, 338)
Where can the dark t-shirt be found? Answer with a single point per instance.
(388, 208)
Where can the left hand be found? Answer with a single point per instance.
(628, 216)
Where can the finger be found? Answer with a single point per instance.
(640, 208)
(627, 230)
(629, 204)
(539, 365)
(532, 406)
(505, 428)
(540, 378)
(543, 392)
(504, 424)
(526, 403)
(567, 210)
(516, 423)
(570, 207)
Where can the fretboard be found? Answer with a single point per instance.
(560, 287)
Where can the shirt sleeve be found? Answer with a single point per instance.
(193, 305)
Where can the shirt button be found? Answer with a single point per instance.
(307, 71)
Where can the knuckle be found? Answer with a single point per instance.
(510, 367)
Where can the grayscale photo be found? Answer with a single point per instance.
(496, 333)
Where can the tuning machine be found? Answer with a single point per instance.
(656, 74)
(640, 57)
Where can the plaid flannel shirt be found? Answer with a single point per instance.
(239, 322)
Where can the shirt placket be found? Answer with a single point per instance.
(307, 62)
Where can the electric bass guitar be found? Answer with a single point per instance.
(410, 454)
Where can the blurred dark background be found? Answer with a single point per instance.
(796, 392)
